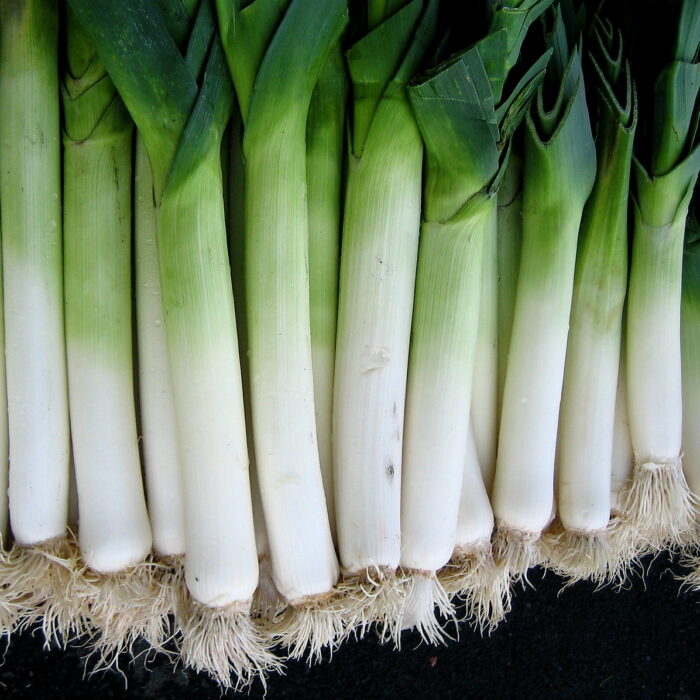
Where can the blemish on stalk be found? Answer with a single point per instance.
(378, 358)
(390, 471)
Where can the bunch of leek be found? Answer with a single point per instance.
(181, 103)
(466, 120)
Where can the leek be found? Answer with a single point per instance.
(466, 122)
(509, 240)
(161, 454)
(266, 601)
(325, 132)
(381, 224)
(622, 454)
(690, 342)
(37, 399)
(585, 548)
(484, 403)
(7, 609)
(181, 104)
(658, 503)
(558, 174)
(261, 42)
(115, 532)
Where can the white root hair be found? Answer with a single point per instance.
(659, 505)
(374, 599)
(268, 604)
(472, 576)
(41, 584)
(515, 551)
(129, 605)
(691, 561)
(604, 557)
(310, 626)
(224, 643)
(426, 601)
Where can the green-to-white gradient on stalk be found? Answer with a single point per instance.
(558, 174)
(115, 531)
(30, 194)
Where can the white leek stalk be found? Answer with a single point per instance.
(484, 404)
(622, 454)
(8, 611)
(325, 132)
(377, 275)
(161, 454)
(267, 601)
(509, 239)
(115, 533)
(4, 439)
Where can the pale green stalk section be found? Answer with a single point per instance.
(277, 284)
(622, 455)
(158, 426)
(114, 527)
(246, 33)
(559, 170)
(509, 241)
(325, 131)
(484, 405)
(237, 256)
(30, 186)
(377, 276)
(593, 352)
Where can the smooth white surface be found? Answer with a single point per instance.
(114, 528)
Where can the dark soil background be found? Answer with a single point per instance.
(642, 642)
